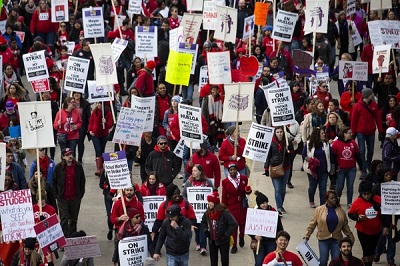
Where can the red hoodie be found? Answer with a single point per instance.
(41, 22)
(345, 153)
(210, 165)
(65, 118)
(175, 130)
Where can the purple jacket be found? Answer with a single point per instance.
(391, 155)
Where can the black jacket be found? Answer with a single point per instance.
(164, 164)
(224, 228)
(275, 156)
(58, 183)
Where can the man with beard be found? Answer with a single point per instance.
(346, 257)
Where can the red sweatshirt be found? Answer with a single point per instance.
(372, 225)
(66, 119)
(117, 210)
(210, 165)
(96, 125)
(345, 153)
(41, 22)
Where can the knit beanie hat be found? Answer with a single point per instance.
(366, 93)
(160, 138)
(171, 189)
(213, 197)
(260, 198)
(151, 65)
(131, 212)
(176, 98)
(30, 243)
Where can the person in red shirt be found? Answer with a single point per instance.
(268, 41)
(173, 19)
(152, 186)
(323, 94)
(41, 23)
(61, 36)
(144, 82)
(281, 254)
(163, 100)
(126, 31)
(47, 210)
(347, 100)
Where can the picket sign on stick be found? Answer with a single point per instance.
(121, 192)
(237, 125)
(180, 89)
(102, 115)
(39, 185)
(112, 112)
(394, 63)
(173, 94)
(116, 20)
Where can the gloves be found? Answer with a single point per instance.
(207, 234)
(266, 173)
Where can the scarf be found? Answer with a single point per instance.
(44, 164)
(152, 188)
(127, 229)
(9, 79)
(214, 216)
(30, 10)
(214, 109)
(296, 96)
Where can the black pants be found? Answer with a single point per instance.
(223, 250)
(69, 212)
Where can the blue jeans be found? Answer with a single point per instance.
(48, 38)
(325, 246)
(350, 176)
(295, 46)
(391, 247)
(182, 260)
(70, 144)
(267, 245)
(370, 141)
(321, 181)
(279, 184)
(187, 92)
(200, 237)
(99, 145)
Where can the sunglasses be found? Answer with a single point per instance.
(162, 143)
(325, 86)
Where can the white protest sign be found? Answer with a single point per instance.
(150, 206)
(381, 59)
(317, 16)
(129, 127)
(197, 196)
(210, 13)
(106, 72)
(248, 29)
(383, 32)
(258, 142)
(16, 211)
(203, 76)
(190, 24)
(285, 23)
(190, 123)
(82, 247)
(36, 122)
(120, 20)
(194, 5)
(238, 104)
(59, 11)
(381, 4)
(175, 37)
(179, 148)
(351, 7)
(147, 106)
(226, 24)
(99, 93)
(219, 67)
(145, 40)
(281, 106)
(93, 22)
(35, 66)
(188, 48)
(133, 250)
(135, 7)
(118, 46)
(3, 25)
(261, 222)
(307, 254)
(356, 37)
(49, 234)
(2, 162)
(390, 197)
(76, 74)
(353, 70)
(117, 170)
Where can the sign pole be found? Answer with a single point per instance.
(237, 124)
(394, 63)
(102, 115)
(39, 183)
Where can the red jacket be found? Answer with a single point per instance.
(41, 22)
(367, 55)
(126, 34)
(95, 124)
(8, 58)
(345, 100)
(233, 198)
(345, 153)
(227, 150)
(145, 83)
(160, 191)
(362, 120)
(65, 118)
(175, 131)
(372, 225)
(210, 165)
(117, 210)
(324, 97)
(188, 213)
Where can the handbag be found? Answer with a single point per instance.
(278, 171)
(62, 138)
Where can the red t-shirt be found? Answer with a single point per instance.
(372, 225)
(345, 153)
(289, 257)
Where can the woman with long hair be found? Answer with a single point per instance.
(318, 163)
(9, 77)
(386, 111)
(334, 125)
(14, 93)
(152, 186)
(347, 154)
(61, 36)
(83, 106)
(331, 223)
(41, 23)
(227, 150)
(317, 118)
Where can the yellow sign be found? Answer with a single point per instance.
(178, 68)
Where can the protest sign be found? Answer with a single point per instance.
(70, 46)
(261, 13)
(302, 62)
(307, 254)
(203, 76)
(175, 37)
(390, 197)
(351, 7)
(383, 32)
(59, 11)
(190, 24)
(135, 7)
(93, 22)
(322, 74)
(210, 13)
(281, 106)
(150, 206)
(3, 25)
(145, 40)
(261, 222)
(99, 93)
(317, 16)
(129, 127)
(356, 37)
(381, 59)
(2, 162)
(106, 72)
(227, 24)
(118, 46)
(133, 250)
(353, 70)
(197, 196)
(381, 4)
(285, 23)
(192, 49)
(190, 123)
(258, 142)
(36, 122)
(178, 68)
(40, 85)
(116, 167)
(49, 234)
(194, 5)
(21, 35)
(249, 65)
(238, 104)
(179, 148)
(147, 106)
(16, 215)
(120, 19)
(35, 66)
(81, 247)
(76, 74)
(219, 67)
(248, 29)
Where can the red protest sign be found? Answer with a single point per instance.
(40, 85)
(49, 234)
(249, 65)
(261, 13)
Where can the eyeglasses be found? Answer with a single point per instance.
(162, 143)
(162, 88)
(137, 217)
(326, 86)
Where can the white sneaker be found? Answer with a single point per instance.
(197, 247)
